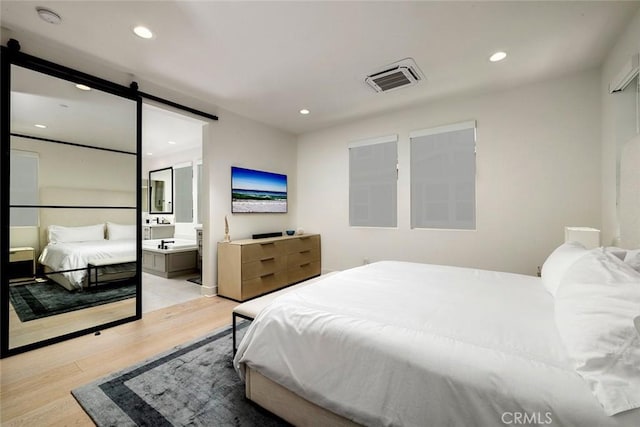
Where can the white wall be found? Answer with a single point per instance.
(627, 45)
(538, 169)
(60, 165)
(150, 163)
(238, 141)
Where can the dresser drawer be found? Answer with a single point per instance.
(253, 269)
(263, 284)
(303, 271)
(303, 243)
(306, 256)
(259, 251)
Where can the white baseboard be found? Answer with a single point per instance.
(209, 291)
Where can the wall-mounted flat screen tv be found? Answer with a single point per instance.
(255, 191)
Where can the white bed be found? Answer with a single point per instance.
(79, 256)
(395, 343)
(83, 235)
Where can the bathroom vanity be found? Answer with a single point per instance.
(158, 231)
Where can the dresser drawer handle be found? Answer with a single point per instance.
(305, 238)
(305, 251)
(265, 244)
(305, 264)
(267, 259)
(267, 275)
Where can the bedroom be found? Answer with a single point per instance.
(509, 112)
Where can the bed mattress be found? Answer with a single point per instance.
(396, 343)
(76, 255)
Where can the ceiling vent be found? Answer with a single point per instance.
(394, 76)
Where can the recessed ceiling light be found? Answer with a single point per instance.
(149, 154)
(48, 15)
(304, 111)
(143, 32)
(83, 87)
(171, 142)
(498, 56)
(41, 126)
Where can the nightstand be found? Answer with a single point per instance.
(22, 263)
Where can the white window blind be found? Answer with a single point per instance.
(199, 195)
(183, 197)
(443, 172)
(23, 188)
(373, 177)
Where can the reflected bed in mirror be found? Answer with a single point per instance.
(71, 241)
(161, 191)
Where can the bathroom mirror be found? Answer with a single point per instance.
(161, 191)
(72, 176)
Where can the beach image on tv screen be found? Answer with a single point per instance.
(257, 191)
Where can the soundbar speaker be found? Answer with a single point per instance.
(265, 235)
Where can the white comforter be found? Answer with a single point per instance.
(69, 256)
(396, 343)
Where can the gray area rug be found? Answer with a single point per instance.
(192, 385)
(41, 299)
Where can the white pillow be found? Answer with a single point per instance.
(556, 264)
(60, 234)
(633, 259)
(595, 307)
(120, 231)
(619, 252)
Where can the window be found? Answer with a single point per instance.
(183, 205)
(373, 177)
(23, 188)
(443, 171)
(200, 211)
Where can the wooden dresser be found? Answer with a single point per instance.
(250, 268)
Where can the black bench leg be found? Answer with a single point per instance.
(234, 335)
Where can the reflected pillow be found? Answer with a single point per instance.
(120, 231)
(595, 310)
(619, 252)
(557, 264)
(61, 234)
(633, 259)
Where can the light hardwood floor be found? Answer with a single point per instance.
(23, 333)
(35, 387)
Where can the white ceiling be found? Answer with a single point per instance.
(69, 114)
(160, 126)
(95, 118)
(267, 60)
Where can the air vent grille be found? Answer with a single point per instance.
(397, 75)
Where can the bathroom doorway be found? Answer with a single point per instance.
(172, 209)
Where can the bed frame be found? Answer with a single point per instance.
(288, 405)
(271, 395)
